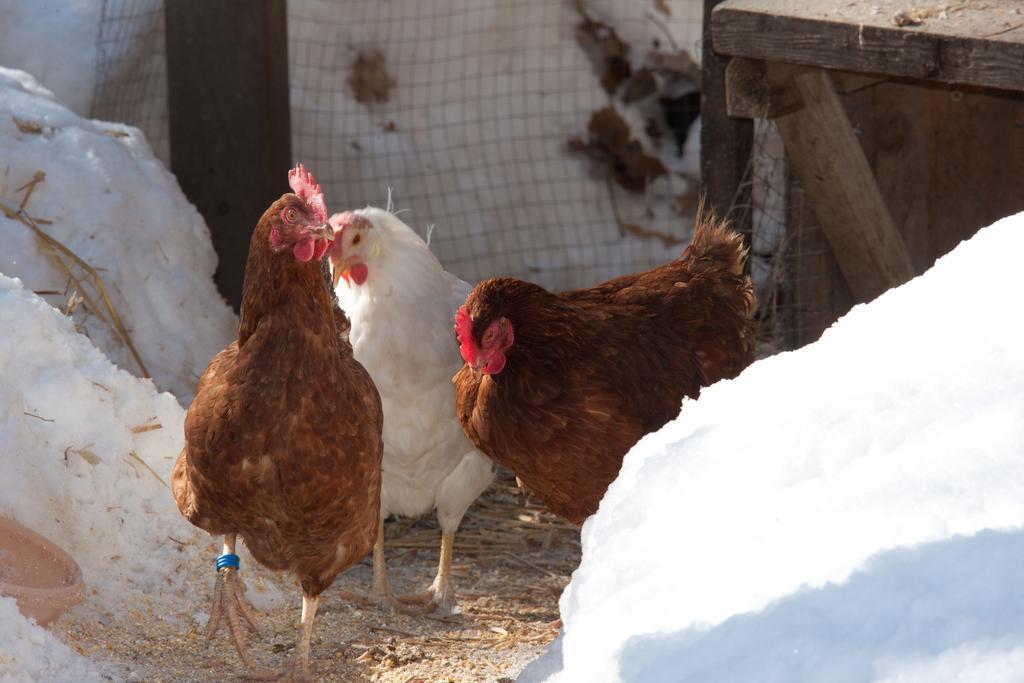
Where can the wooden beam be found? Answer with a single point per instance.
(975, 45)
(725, 143)
(227, 72)
(837, 179)
(751, 94)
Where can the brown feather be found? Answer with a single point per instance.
(283, 440)
(593, 370)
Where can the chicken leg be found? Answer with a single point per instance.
(381, 594)
(299, 670)
(441, 594)
(229, 601)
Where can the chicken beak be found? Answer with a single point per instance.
(478, 371)
(324, 231)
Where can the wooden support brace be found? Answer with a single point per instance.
(837, 178)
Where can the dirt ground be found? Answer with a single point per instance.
(512, 560)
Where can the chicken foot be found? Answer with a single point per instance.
(381, 594)
(298, 671)
(441, 593)
(228, 601)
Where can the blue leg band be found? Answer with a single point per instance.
(229, 560)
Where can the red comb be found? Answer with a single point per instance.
(305, 187)
(464, 331)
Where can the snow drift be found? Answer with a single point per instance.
(117, 207)
(849, 512)
(30, 653)
(86, 452)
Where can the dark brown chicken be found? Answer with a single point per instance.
(283, 440)
(557, 388)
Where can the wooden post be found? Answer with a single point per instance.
(725, 143)
(227, 73)
(838, 180)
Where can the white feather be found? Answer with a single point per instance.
(402, 332)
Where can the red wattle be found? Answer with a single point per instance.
(321, 249)
(304, 250)
(359, 273)
(495, 365)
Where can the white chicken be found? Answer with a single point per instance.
(401, 303)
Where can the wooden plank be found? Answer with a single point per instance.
(827, 157)
(981, 44)
(227, 71)
(851, 81)
(976, 162)
(947, 162)
(901, 125)
(725, 143)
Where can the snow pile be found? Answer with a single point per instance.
(116, 206)
(30, 653)
(86, 452)
(850, 512)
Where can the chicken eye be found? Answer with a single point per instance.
(355, 240)
(489, 336)
(291, 215)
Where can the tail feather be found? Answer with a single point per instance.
(717, 247)
(715, 244)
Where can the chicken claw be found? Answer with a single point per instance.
(441, 594)
(383, 598)
(436, 597)
(381, 595)
(229, 600)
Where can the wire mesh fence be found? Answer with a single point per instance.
(131, 70)
(467, 110)
(552, 141)
(793, 268)
(799, 287)
(760, 202)
(470, 112)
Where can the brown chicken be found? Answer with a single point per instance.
(283, 440)
(557, 388)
